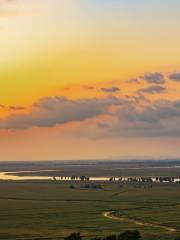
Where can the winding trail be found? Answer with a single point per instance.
(110, 215)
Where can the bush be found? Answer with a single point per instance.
(74, 236)
(130, 235)
(91, 186)
(110, 237)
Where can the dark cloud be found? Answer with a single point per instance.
(110, 90)
(122, 117)
(155, 78)
(129, 120)
(162, 118)
(51, 111)
(175, 76)
(152, 90)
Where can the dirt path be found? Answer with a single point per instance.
(111, 215)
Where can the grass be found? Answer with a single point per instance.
(47, 210)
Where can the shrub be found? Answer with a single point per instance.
(129, 235)
(74, 236)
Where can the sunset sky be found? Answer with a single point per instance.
(89, 79)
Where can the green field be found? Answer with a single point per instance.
(51, 210)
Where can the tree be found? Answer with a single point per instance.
(74, 236)
(129, 235)
(83, 178)
(110, 237)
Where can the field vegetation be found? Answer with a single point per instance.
(53, 210)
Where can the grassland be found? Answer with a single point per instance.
(51, 210)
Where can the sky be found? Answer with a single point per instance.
(89, 79)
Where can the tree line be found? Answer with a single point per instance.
(127, 235)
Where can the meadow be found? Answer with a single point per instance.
(53, 210)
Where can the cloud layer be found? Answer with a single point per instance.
(175, 76)
(155, 78)
(123, 117)
(110, 89)
(147, 112)
(51, 111)
(152, 89)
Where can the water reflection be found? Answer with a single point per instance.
(14, 176)
(10, 176)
